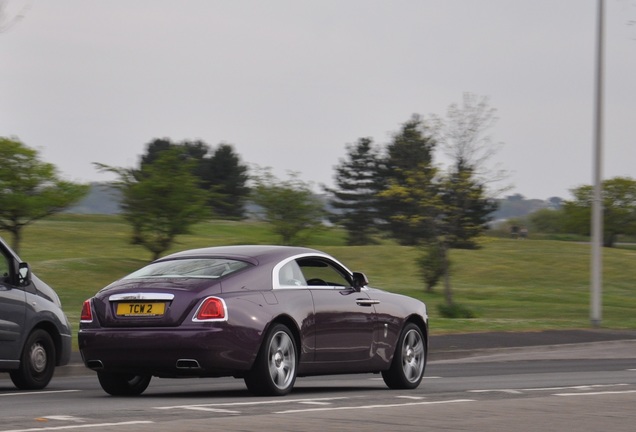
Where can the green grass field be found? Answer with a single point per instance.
(512, 285)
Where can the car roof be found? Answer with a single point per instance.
(252, 253)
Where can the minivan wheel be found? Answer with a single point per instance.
(37, 362)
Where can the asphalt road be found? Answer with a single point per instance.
(567, 381)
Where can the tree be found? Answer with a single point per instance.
(463, 137)
(30, 189)
(160, 200)
(419, 209)
(441, 219)
(355, 197)
(431, 265)
(193, 150)
(289, 205)
(436, 210)
(227, 177)
(7, 21)
(220, 172)
(410, 150)
(547, 220)
(467, 207)
(619, 209)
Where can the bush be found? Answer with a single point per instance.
(431, 265)
(455, 311)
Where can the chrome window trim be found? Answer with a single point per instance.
(277, 286)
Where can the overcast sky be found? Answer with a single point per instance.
(289, 82)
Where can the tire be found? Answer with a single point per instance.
(409, 360)
(37, 363)
(123, 384)
(274, 371)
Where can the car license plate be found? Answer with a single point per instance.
(141, 309)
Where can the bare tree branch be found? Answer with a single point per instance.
(6, 20)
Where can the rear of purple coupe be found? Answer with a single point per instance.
(266, 314)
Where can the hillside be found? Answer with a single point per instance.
(510, 284)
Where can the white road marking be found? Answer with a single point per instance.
(425, 377)
(83, 426)
(267, 402)
(411, 397)
(208, 408)
(509, 391)
(38, 392)
(518, 391)
(364, 407)
(596, 393)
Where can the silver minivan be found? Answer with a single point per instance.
(35, 335)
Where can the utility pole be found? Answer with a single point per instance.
(597, 204)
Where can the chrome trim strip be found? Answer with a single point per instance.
(141, 296)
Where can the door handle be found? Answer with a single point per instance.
(367, 302)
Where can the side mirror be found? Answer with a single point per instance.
(359, 281)
(24, 274)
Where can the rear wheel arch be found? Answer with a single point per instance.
(288, 322)
(55, 335)
(275, 369)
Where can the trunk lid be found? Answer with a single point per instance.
(161, 302)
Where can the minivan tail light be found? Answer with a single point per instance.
(212, 309)
(87, 312)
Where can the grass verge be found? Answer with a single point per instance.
(510, 285)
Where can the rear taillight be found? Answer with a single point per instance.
(87, 312)
(212, 309)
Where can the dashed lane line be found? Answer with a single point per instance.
(31, 393)
(82, 426)
(365, 407)
(601, 393)
(211, 407)
(522, 390)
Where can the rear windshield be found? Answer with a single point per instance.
(211, 268)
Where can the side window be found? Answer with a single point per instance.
(5, 269)
(321, 272)
(290, 275)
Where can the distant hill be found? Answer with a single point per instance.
(103, 198)
(517, 206)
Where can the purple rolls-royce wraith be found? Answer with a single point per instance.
(266, 314)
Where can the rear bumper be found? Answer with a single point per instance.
(168, 352)
(64, 356)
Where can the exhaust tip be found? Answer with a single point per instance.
(95, 364)
(188, 364)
